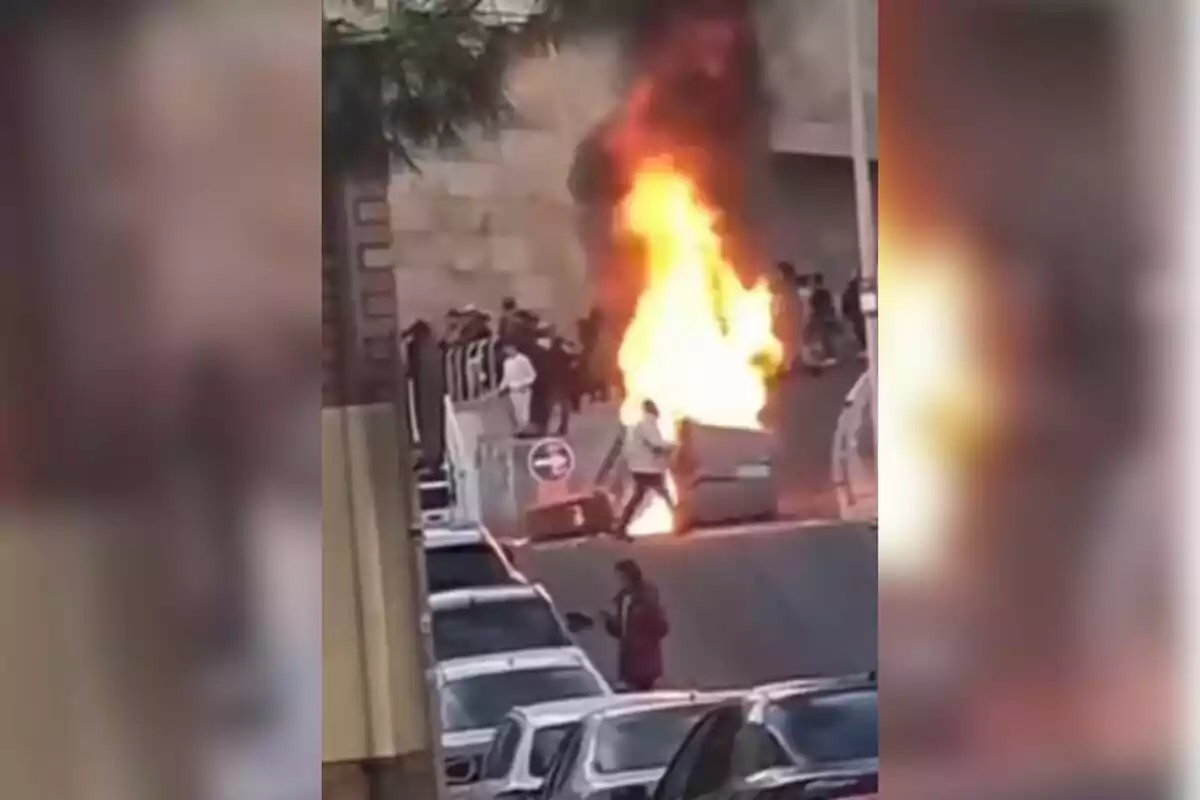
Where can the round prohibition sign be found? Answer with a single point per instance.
(551, 461)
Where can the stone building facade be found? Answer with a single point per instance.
(495, 218)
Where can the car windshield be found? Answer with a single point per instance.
(499, 759)
(464, 567)
(829, 728)
(499, 627)
(483, 700)
(643, 741)
(545, 745)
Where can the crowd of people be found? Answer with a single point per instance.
(545, 375)
(823, 327)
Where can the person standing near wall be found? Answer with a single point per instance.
(542, 356)
(516, 384)
(587, 382)
(788, 315)
(561, 365)
(508, 319)
(823, 319)
(852, 313)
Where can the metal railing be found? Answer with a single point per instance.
(473, 369)
(463, 461)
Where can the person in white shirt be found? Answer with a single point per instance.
(516, 383)
(648, 455)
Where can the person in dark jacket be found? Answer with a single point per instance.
(561, 363)
(508, 319)
(853, 314)
(639, 625)
(541, 354)
(823, 319)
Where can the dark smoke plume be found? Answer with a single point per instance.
(694, 93)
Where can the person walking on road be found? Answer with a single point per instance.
(517, 385)
(648, 455)
(639, 625)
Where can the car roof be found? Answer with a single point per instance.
(455, 536)
(515, 661)
(785, 689)
(654, 701)
(608, 781)
(814, 780)
(559, 712)
(461, 598)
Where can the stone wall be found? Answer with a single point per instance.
(805, 46)
(494, 216)
(810, 215)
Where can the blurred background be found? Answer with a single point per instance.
(1028, 213)
(160, 250)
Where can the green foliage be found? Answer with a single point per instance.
(437, 71)
(419, 83)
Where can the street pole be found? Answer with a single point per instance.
(868, 263)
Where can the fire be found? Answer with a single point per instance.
(936, 400)
(701, 345)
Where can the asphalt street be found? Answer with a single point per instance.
(746, 604)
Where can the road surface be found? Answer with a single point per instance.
(746, 604)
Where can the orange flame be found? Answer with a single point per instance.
(701, 345)
(940, 403)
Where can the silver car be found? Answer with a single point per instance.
(476, 694)
(812, 726)
(855, 782)
(466, 556)
(622, 750)
(497, 619)
(525, 743)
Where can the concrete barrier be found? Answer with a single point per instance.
(735, 478)
(507, 486)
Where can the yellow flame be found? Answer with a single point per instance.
(935, 400)
(701, 345)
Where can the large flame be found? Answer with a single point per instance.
(701, 345)
(936, 402)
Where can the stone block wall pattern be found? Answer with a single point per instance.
(359, 313)
(494, 216)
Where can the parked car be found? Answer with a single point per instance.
(475, 694)
(813, 725)
(622, 750)
(498, 619)
(797, 783)
(465, 557)
(526, 742)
